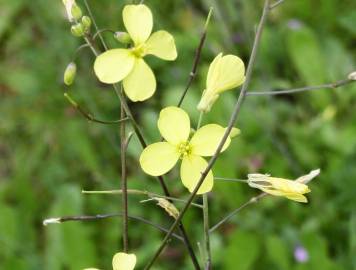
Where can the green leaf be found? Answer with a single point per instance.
(278, 252)
(242, 251)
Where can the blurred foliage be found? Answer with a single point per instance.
(48, 152)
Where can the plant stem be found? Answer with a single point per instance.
(276, 4)
(197, 56)
(208, 264)
(230, 179)
(226, 135)
(57, 220)
(302, 89)
(89, 116)
(139, 192)
(227, 217)
(125, 234)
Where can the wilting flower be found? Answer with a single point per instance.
(225, 73)
(121, 261)
(127, 64)
(290, 189)
(174, 126)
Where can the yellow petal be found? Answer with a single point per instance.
(289, 195)
(140, 84)
(158, 158)
(114, 65)
(206, 140)
(161, 44)
(190, 173)
(288, 185)
(225, 72)
(138, 22)
(124, 261)
(234, 132)
(297, 197)
(174, 125)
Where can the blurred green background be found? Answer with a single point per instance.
(49, 153)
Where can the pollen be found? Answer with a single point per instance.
(139, 51)
(184, 149)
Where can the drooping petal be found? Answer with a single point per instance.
(123, 261)
(206, 140)
(190, 173)
(114, 65)
(174, 125)
(288, 185)
(158, 158)
(225, 72)
(140, 84)
(161, 44)
(138, 22)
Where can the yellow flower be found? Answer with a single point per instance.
(174, 126)
(127, 64)
(121, 261)
(225, 73)
(290, 189)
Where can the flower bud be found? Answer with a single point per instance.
(76, 12)
(352, 76)
(77, 30)
(69, 74)
(122, 37)
(86, 22)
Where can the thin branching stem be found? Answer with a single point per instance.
(197, 56)
(138, 192)
(57, 220)
(333, 85)
(89, 116)
(230, 179)
(95, 24)
(237, 210)
(276, 4)
(232, 121)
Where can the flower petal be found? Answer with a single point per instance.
(138, 22)
(158, 158)
(161, 44)
(140, 84)
(114, 65)
(123, 261)
(190, 173)
(288, 186)
(206, 140)
(174, 125)
(225, 72)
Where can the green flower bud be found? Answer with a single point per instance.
(76, 12)
(77, 30)
(86, 21)
(122, 37)
(69, 74)
(352, 76)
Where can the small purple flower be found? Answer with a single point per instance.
(301, 255)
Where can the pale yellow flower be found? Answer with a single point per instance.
(293, 190)
(121, 261)
(127, 65)
(174, 126)
(225, 73)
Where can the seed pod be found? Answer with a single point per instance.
(69, 74)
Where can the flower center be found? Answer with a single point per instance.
(139, 51)
(184, 149)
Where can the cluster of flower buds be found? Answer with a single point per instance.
(80, 24)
